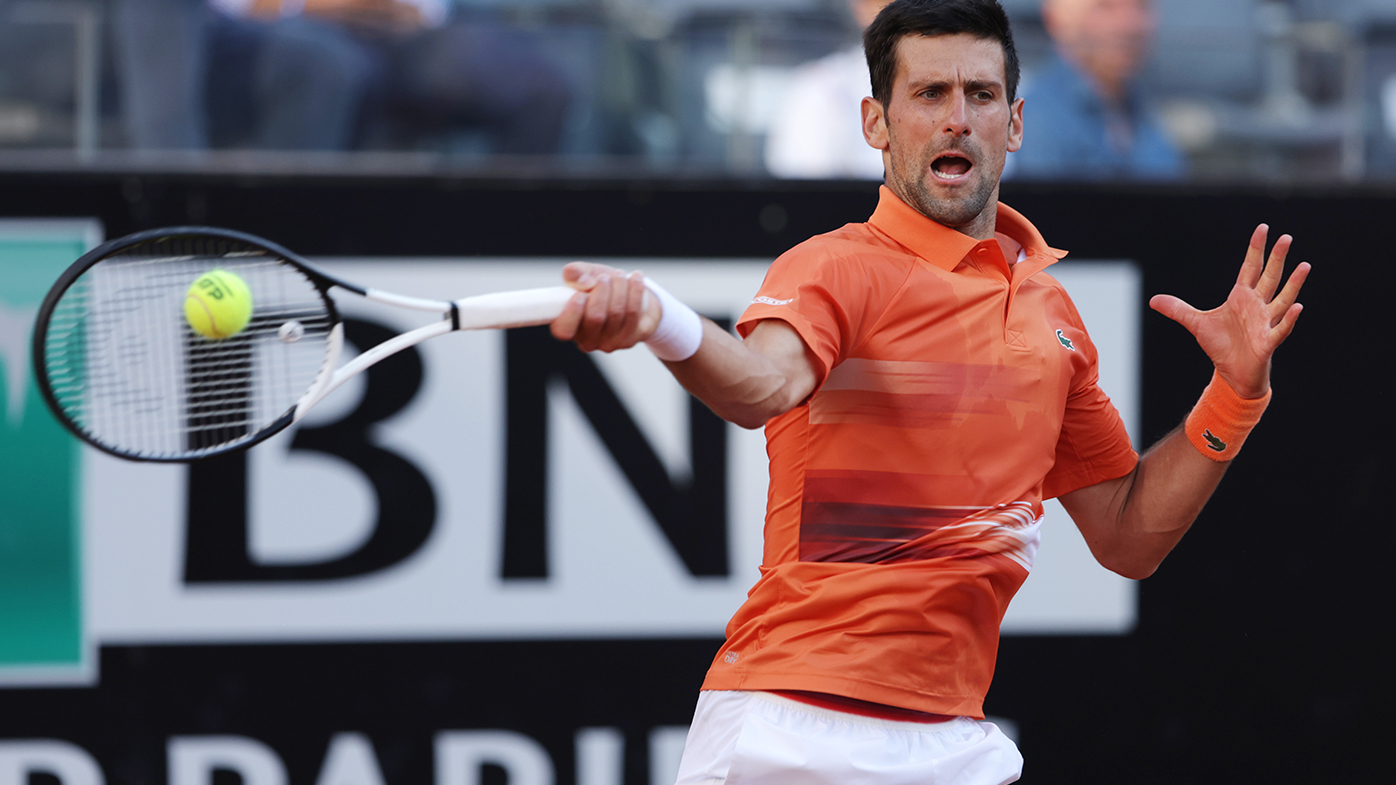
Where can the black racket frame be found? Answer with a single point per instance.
(323, 283)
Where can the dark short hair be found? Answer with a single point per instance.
(979, 18)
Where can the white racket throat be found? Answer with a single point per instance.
(403, 301)
(327, 380)
(499, 310)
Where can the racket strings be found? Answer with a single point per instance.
(127, 369)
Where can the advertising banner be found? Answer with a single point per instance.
(498, 494)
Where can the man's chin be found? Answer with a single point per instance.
(955, 207)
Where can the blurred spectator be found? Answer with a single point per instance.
(450, 75)
(1085, 117)
(1380, 73)
(328, 74)
(818, 131)
(193, 78)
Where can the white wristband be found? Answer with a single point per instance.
(680, 330)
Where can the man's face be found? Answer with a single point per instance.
(947, 128)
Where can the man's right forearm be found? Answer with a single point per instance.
(749, 382)
(745, 381)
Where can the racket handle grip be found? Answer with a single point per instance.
(522, 308)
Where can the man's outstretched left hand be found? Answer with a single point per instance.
(1242, 333)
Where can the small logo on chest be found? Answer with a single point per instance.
(1065, 341)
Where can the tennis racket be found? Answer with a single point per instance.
(121, 367)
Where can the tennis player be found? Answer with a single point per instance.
(924, 385)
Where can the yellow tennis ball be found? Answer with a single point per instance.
(218, 304)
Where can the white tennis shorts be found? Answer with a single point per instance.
(756, 738)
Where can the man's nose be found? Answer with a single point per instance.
(957, 121)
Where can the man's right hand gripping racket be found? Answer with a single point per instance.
(124, 368)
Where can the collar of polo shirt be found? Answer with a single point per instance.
(944, 247)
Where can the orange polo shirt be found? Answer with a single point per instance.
(957, 391)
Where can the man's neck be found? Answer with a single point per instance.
(984, 224)
(980, 227)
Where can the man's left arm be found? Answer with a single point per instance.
(1132, 522)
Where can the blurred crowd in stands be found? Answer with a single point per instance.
(1151, 90)
(328, 75)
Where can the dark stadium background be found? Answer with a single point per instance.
(1260, 653)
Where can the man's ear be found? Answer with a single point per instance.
(1015, 126)
(874, 123)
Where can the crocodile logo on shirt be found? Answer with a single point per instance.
(1213, 442)
(1065, 341)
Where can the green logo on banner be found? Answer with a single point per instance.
(41, 613)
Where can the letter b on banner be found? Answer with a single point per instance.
(217, 545)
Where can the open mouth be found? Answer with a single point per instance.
(951, 167)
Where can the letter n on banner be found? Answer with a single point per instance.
(691, 512)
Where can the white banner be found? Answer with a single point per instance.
(611, 571)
